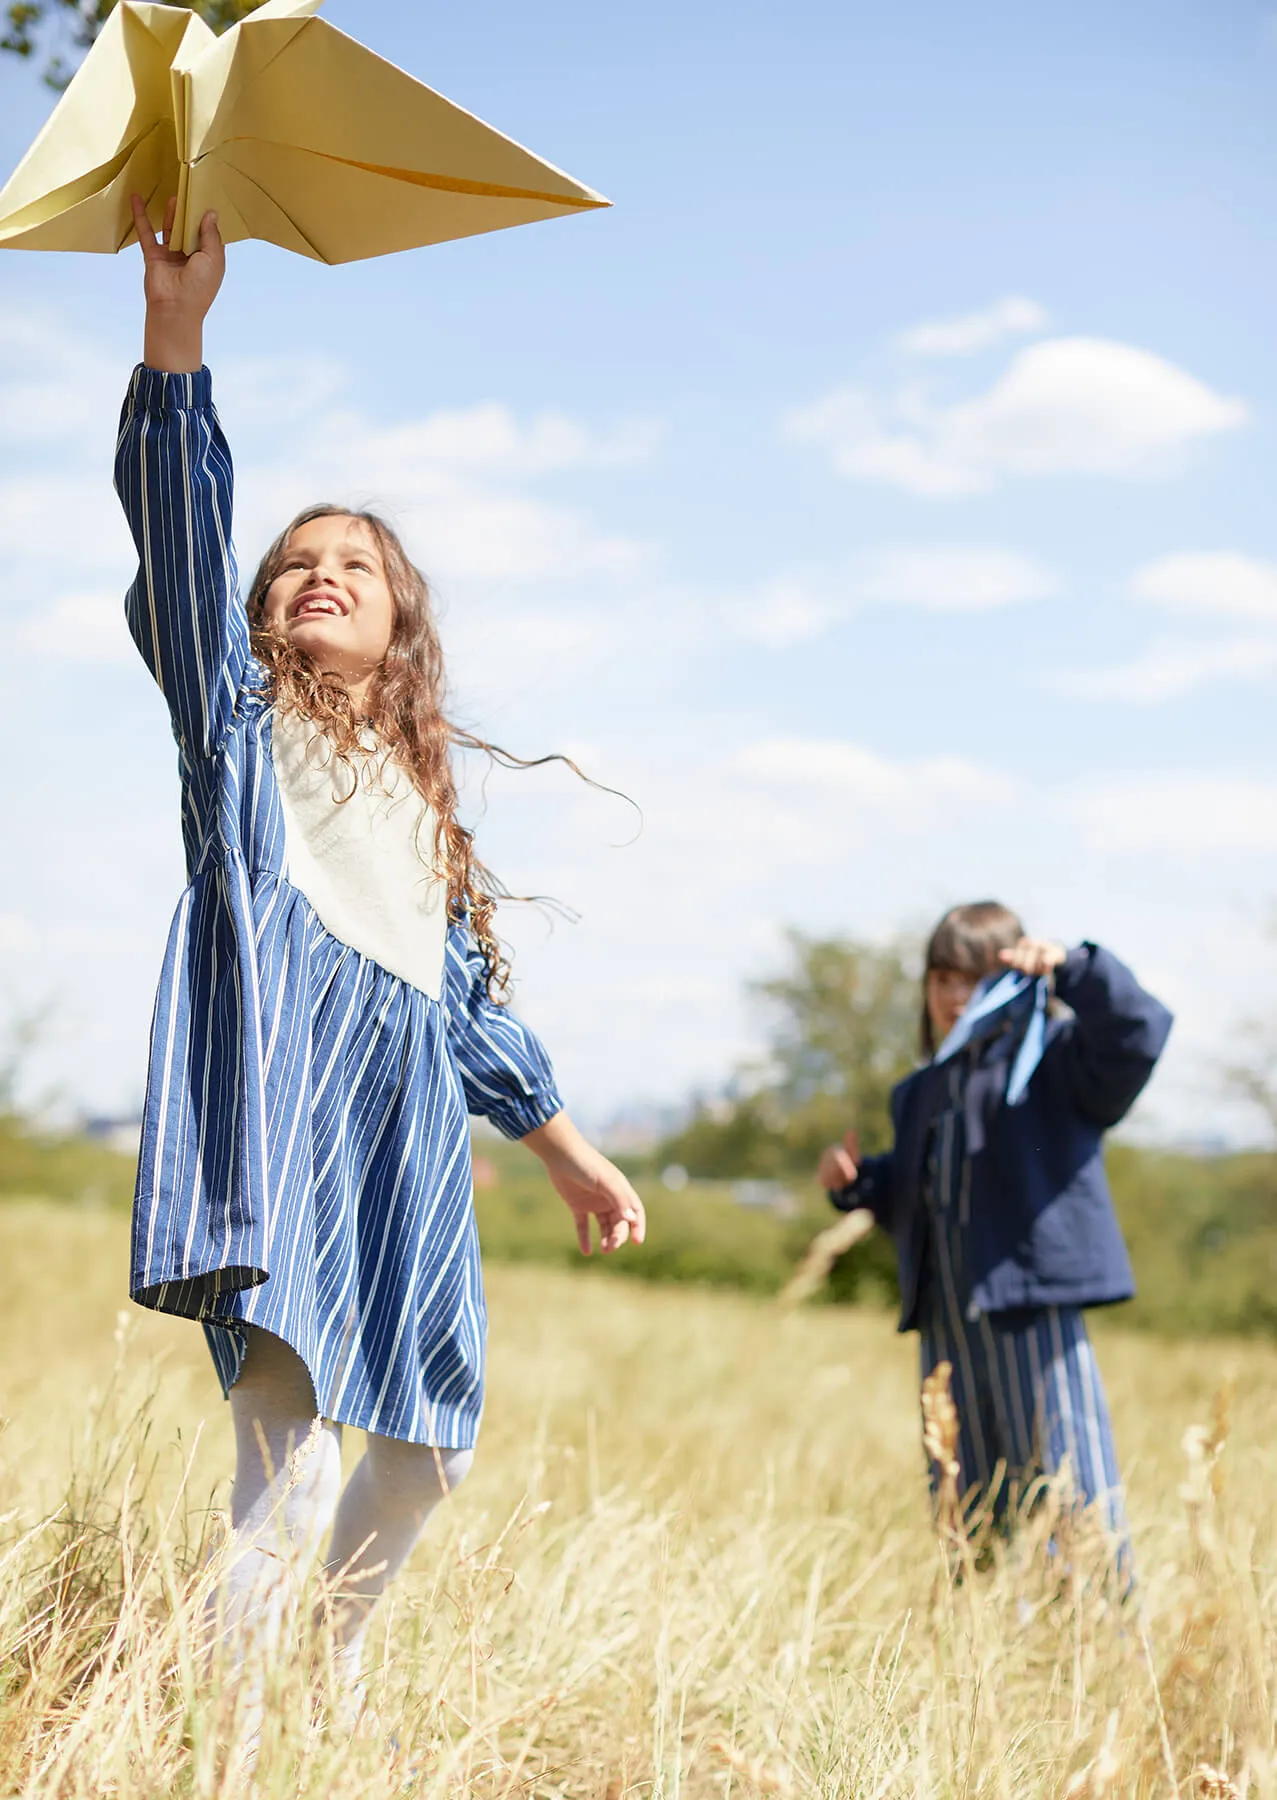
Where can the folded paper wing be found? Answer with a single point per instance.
(292, 130)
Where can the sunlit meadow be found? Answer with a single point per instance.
(694, 1559)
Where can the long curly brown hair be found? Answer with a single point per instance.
(405, 706)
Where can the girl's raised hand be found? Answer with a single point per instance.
(1034, 956)
(840, 1164)
(591, 1186)
(179, 289)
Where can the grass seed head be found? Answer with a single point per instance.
(1210, 1783)
(940, 1440)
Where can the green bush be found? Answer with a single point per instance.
(61, 1166)
(699, 1234)
(1202, 1230)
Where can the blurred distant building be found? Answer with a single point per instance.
(123, 1135)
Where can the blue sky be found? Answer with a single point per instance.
(879, 493)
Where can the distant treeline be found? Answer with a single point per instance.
(1202, 1230)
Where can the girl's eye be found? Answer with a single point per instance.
(363, 567)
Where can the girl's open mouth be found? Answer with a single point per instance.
(327, 605)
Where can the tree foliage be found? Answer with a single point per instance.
(845, 1025)
(844, 1032)
(60, 31)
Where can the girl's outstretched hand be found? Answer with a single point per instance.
(840, 1164)
(179, 289)
(591, 1186)
(1034, 956)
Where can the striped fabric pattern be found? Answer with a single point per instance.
(1026, 1386)
(305, 1161)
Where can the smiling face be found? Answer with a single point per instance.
(330, 598)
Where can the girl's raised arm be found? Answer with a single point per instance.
(173, 476)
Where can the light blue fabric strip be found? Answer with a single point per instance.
(1009, 996)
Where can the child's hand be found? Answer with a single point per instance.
(1034, 956)
(590, 1185)
(840, 1164)
(179, 290)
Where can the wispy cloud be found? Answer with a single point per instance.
(1172, 667)
(473, 488)
(945, 578)
(1012, 316)
(78, 627)
(1067, 406)
(907, 793)
(1231, 599)
(1185, 815)
(1219, 584)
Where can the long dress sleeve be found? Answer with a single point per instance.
(505, 1072)
(173, 476)
(872, 1188)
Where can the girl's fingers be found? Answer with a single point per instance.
(583, 1233)
(142, 223)
(210, 236)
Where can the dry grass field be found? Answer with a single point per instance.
(694, 1560)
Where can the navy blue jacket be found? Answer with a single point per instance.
(1043, 1231)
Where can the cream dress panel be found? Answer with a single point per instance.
(354, 842)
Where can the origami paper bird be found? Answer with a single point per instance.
(292, 130)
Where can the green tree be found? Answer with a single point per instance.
(844, 1032)
(60, 31)
(845, 1023)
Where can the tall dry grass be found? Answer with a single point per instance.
(695, 1559)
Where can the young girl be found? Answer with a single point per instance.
(996, 1196)
(325, 1017)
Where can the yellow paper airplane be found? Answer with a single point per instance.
(292, 130)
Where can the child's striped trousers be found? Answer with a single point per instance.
(1028, 1395)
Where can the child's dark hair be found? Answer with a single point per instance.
(967, 940)
(406, 707)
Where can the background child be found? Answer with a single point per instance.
(999, 1204)
(325, 1015)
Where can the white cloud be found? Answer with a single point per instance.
(1210, 585)
(460, 484)
(471, 488)
(1184, 815)
(56, 387)
(907, 793)
(1172, 667)
(791, 610)
(1222, 590)
(949, 578)
(1012, 316)
(952, 578)
(1066, 406)
(489, 438)
(86, 627)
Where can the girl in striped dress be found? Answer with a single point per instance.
(996, 1196)
(326, 1016)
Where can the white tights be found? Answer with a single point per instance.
(288, 1493)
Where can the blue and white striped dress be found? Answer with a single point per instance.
(305, 1161)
